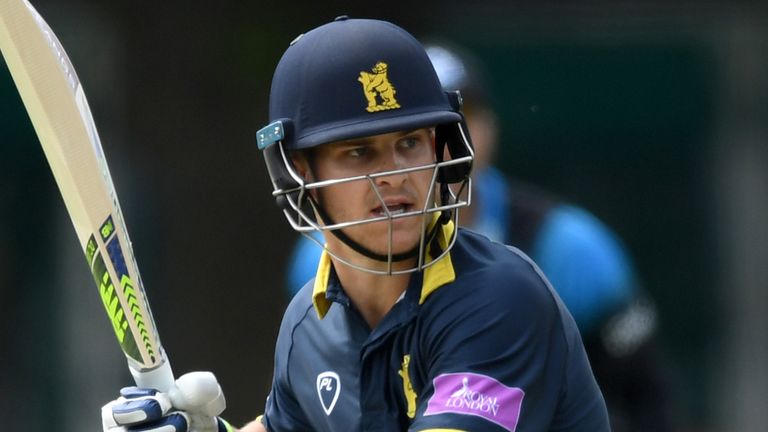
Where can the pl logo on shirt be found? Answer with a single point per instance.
(328, 389)
(477, 395)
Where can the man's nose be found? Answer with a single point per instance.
(390, 163)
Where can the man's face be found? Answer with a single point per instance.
(366, 198)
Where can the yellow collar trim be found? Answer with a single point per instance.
(441, 272)
(321, 303)
(435, 276)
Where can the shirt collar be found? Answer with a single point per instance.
(435, 276)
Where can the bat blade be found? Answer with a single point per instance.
(59, 112)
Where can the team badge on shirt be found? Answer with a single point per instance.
(477, 395)
(328, 389)
(410, 395)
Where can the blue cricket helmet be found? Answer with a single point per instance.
(318, 88)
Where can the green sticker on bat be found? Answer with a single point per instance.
(114, 309)
(90, 249)
(107, 228)
(138, 318)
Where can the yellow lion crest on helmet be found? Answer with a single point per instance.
(379, 92)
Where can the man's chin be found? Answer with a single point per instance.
(410, 248)
(404, 241)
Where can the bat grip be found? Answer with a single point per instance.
(159, 378)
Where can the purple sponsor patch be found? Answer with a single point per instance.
(478, 395)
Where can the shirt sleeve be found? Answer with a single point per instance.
(502, 359)
(283, 412)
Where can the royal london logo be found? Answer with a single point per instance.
(469, 399)
(379, 92)
(478, 395)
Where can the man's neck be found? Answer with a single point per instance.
(372, 294)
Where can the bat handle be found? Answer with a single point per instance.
(160, 378)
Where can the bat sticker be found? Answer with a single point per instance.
(114, 309)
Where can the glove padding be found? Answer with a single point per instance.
(191, 405)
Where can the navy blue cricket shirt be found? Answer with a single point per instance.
(479, 342)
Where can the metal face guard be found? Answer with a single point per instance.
(302, 211)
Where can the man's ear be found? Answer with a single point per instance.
(303, 166)
(300, 163)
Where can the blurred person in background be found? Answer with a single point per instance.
(584, 260)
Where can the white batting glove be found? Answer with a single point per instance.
(191, 405)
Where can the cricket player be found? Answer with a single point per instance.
(410, 323)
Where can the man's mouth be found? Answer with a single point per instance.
(394, 209)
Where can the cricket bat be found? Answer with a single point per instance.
(56, 104)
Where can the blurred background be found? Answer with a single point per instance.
(653, 114)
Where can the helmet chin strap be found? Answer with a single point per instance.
(431, 238)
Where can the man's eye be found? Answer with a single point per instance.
(409, 142)
(357, 151)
